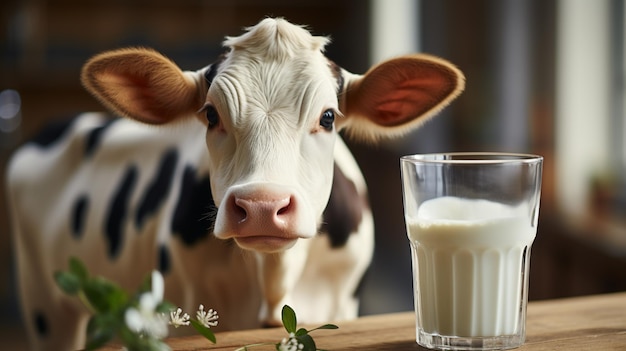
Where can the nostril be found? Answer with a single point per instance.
(239, 210)
(285, 207)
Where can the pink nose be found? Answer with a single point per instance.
(260, 217)
(263, 214)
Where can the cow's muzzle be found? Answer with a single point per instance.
(263, 217)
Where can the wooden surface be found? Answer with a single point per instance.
(585, 323)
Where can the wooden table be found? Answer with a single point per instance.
(584, 323)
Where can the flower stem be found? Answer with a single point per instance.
(83, 298)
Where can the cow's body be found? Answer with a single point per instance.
(153, 211)
(274, 213)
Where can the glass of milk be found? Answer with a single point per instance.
(471, 219)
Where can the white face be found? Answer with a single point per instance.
(270, 138)
(270, 109)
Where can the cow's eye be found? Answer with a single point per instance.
(327, 119)
(212, 116)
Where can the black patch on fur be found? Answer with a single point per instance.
(158, 189)
(164, 259)
(118, 211)
(195, 211)
(211, 72)
(79, 215)
(338, 74)
(344, 211)
(52, 133)
(41, 324)
(94, 137)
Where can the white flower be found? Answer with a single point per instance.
(177, 320)
(290, 344)
(145, 319)
(207, 318)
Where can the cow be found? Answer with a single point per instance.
(232, 180)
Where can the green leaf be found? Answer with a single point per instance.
(68, 282)
(78, 268)
(156, 345)
(301, 332)
(325, 326)
(289, 319)
(100, 330)
(103, 295)
(127, 337)
(204, 331)
(307, 341)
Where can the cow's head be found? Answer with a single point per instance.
(272, 107)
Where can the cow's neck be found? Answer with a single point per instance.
(278, 275)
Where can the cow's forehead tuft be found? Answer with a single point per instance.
(277, 39)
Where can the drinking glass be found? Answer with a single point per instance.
(471, 219)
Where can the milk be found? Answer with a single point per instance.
(471, 260)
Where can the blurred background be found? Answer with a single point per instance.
(543, 76)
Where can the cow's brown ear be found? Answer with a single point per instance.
(398, 95)
(141, 84)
